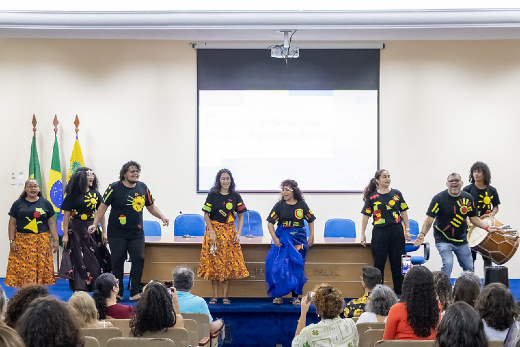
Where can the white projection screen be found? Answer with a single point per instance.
(326, 139)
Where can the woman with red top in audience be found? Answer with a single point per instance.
(105, 295)
(418, 313)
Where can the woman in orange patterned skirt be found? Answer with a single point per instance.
(221, 258)
(30, 219)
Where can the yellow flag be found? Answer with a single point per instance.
(76, 159)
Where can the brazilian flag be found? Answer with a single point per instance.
(34, 164)
(55, 186)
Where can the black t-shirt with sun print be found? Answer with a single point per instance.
(291, 215)
(222, 208)
(82, 206)
(32, 217)
(126, 215)
(485, 199)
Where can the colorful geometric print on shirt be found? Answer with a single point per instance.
(450, 216)
(82, 206)
(31, 217)
(385, 208)
(222, 208)
(485, 199)
(291, 215)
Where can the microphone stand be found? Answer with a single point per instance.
(249, 235)
(186, 234)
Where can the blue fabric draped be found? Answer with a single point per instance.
(284, 265)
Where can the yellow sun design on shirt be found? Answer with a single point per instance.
(91, 200)
(486, 201)
(137, 203)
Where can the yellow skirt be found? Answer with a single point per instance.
(228, 262)
(32, 262)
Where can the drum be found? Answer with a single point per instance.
(499, 246)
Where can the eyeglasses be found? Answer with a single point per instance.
(286, 189)
(117, 282)
(455, 180)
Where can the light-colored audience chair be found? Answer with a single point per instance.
(202, 320)
(494, 343)
(355, 319)
(406, 343)
(370, 337)
(139, 342)
(178, 335)
(91, 341)
(362, 327)
(121, 324)
(102, 334)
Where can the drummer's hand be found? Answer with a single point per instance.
(492, 229)
(419, 241)
(363, 240)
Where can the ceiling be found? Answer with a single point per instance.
(261, 27)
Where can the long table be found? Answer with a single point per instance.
(333, 260)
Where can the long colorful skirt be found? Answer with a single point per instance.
(228, 261)
(85, 257)
(32, 262)
(284, 266)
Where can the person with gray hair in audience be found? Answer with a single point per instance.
(378, 305)
(183, 278)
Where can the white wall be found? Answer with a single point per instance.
(444, 105)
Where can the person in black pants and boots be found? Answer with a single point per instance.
(128, 197)
(388, 209)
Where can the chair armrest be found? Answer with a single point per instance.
(426, 251)
(204, 341)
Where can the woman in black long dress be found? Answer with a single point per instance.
(88, 254)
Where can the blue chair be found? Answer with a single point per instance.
(252, 224)
(414, 231)
(192, 224)
(307, 232)
(151, 228)
(340, 227)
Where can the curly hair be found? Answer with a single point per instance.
(467, 288)
(21, 300)
(381, 299)
(372, 184)
(104, 285)
(443, 289)
(9, 337)
(78, 183)
(24, 193)
(83, 308)
(496, 306)
(420, 300)
(3, 304)
(328, 300)
(298, 195)
(47, 322)
(462, 327)
(482, 167)
(154, 311)
(217, 186)
(126, 167)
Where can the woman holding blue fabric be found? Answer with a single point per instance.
(285, 260)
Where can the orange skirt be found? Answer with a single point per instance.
(228, 262)
(32, 262)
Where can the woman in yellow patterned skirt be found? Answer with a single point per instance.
(30, 219)
(221, 258)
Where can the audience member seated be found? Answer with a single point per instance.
(417, 315)
(48, 323)
(183, 279)
(9, 337)
(155, 311)
(461, 327)
(443, 289)
(378, 305)
(497, 309)
(332, 330)
(105, 296)
(371, 277)
(467, 288)
(3, 305)
(83, 308)
(21, 300)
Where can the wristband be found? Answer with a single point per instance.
(487, 227)
(11, 241)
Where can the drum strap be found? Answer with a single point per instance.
(446, 236)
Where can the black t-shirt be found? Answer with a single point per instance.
(450, 216)
(32, 217)
(291, 215)
(485, 199)
(222, 208)
(126, 215)
(82, 206)
(385, 208)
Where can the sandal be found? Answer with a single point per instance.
(212, 301)
(226, 301)
(278, 301)
(296, 301)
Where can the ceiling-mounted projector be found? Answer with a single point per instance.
(285, 51)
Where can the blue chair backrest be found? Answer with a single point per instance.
(307, 232)
(151, 228)
(193, 224)
(252, 223)
(414, 231)
(340, 227)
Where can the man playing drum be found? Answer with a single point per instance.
(449, 210)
